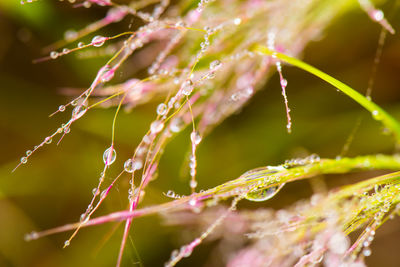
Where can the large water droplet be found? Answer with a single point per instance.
(156, 126)
(264, 194)
(187, 87)
(109, 156)
(98, 41)
(161, 109)
(195, 137)
(79, 111)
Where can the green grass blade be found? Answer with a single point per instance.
(377, 112)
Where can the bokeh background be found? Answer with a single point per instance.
(55, 186)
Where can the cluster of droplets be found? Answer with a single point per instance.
(172, 194)
(195, 138)
(313, 158)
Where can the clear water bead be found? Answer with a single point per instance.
(24, 160)
(195, 137)
(79, 111)
(161, 109)
(187, 87)
(54, 54)
(61, 108)
(128, 166)
(262, 194)
(109, 156)
(176, 125)
(156, 126)
(216, 64)
(98, 40)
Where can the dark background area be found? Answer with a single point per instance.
(55, 186)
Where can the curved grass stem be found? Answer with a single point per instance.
(377, 112)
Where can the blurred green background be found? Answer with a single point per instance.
(55, 186)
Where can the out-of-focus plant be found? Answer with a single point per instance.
(205, 60)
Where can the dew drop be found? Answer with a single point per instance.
(156, 126)
(176, 125)
(284, 82)
(95, 191)
(66, 243)
(377, 15)
(81, 44)
(98, 40)
(24, 160)
(216, 64)
(376, 115)
(54, 54)
(109, 156)
(70, 35)
(79, 111)
(187, 87)
(263, 194)
(48, 140)
(195, 137)
(128, 166)
(61, 108)
(367, 252)
(161, 109)
(237, 21)
(31, 236)
(193, 184)
(28, 152)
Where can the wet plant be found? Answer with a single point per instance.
(206, 60)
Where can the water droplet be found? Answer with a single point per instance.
(109, 156)
(98, 40)
(193, 183)
(48, 140)
(31, 236)
(67, 130)
(170, 193)
(237, 21)
(66, 243)
(216, 64)
(195, 137)
(156, 126)
(54, 54)
(95, 191)
(87, 4)
(70, 35)
(79, 111)
(28, 152)
(284, 82)
(176, 125)
(376, 115)
(187, 87)
(377, 15)
(367, 252)
(81, 44)
(161, 109)
(264, 194)
(61, 108)
(128, 166)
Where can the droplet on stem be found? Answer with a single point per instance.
(109, 156)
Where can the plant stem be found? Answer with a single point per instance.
(377, 112)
